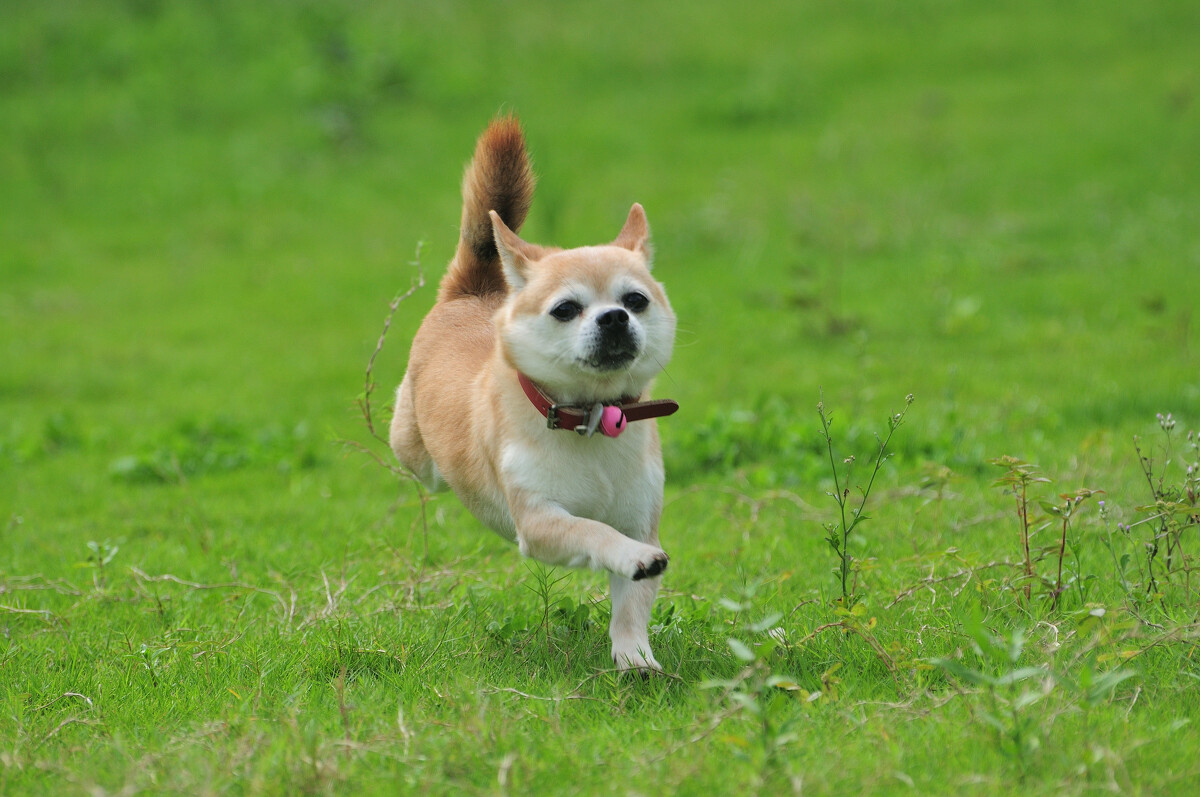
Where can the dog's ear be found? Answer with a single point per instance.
(635, 235)
(515, 254)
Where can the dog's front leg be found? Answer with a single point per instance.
(631, 604)
(550, 534)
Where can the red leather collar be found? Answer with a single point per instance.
(586, 420)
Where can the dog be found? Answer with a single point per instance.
(525, 390)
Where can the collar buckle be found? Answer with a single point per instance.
(591, 420)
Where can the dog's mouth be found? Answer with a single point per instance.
(610, 361)
(612, 355)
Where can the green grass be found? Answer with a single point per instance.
(206, 208)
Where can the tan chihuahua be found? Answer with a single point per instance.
(524, 390)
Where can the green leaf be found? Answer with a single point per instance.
(858, 519)
(987, 645)
(746, 701)
(1026, 699)
(1103, 685)
(963, 673)
(1051, 509)
(1020, 674)
(767, 623)
(740, 649)
(1178, 508)
(718, 684)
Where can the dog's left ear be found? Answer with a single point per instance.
(635, 235)
(515, 254)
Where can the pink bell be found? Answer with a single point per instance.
(612, 421)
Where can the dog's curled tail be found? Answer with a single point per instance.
(499, 178)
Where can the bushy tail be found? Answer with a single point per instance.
(500, 179)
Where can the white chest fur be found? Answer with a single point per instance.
(615, 481)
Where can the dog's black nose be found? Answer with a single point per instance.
(613, 319)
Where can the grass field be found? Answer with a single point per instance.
(206, 585)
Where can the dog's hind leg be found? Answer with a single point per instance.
(405, 439)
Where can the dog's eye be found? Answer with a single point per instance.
(635, 302)
(565, 311)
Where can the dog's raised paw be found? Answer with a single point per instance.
(655, 566)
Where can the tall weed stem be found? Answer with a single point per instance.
(839, 533)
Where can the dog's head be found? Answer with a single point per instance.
(588, 324)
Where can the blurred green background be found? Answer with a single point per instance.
(205, 208)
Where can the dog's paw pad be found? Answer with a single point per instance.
(656, 566)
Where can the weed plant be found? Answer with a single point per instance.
(839, 532)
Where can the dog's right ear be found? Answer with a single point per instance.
(515, 254)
